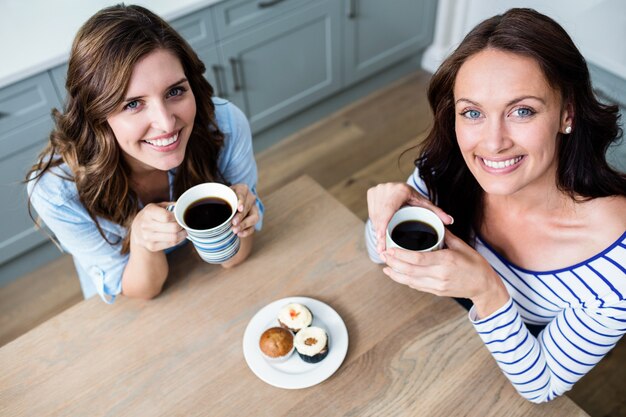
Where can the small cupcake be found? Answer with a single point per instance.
(276, 344)
(295, 317)
(311, 344)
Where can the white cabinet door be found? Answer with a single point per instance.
(379, 33)
(280, 68)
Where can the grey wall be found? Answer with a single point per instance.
(612, 89)
(616, 154)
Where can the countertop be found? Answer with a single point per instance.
(193, 349)
(38, 35)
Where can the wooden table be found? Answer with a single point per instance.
(181, 354)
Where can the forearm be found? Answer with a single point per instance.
(545, 367)
(145, 273)
(518, 354)
(492, 300)
(244, 251)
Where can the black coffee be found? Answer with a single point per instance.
(207, 213)
(414, 235)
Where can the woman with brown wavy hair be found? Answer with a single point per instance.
(139, 127)
(515, 166)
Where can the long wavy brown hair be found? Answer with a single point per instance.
(583, 171)
(102, 58)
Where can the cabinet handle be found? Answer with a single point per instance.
(217, 73)
(234, 64)
(351, 9)
(268, 3)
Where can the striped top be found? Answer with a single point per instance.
(583, 307)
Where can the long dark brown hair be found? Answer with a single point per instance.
(102, 58)
(583, 171)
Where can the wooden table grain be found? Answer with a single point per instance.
(410, 353)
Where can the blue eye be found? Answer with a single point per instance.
(132, 105)
(471, 114)
(524, 112)
(176, 91)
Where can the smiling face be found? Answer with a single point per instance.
(507, 121)
(153, 124)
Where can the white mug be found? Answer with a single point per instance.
(420, 214)
(218, 244)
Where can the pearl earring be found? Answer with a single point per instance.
(568, 130)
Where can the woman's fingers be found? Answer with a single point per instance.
(249, 222)
(383, 201)
(155, 228)
(241, 190)
(432, 258)
(163, 220)
(246, 232)
(454, 242)
(418, 200)
(425, 283)
(413, 263)
(247, 215)
(457, 271)
(164, 240)
(156, 241)
(242, 198)
(158, 212)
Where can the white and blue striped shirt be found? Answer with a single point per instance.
(583, 307)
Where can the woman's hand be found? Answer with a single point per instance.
(245, 219)
(154, 228)
(247, 215)
(457, 271)
(384, 200)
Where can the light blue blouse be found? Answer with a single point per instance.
(99, 264)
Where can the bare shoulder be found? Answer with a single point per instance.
(577, 233)
(607, 214)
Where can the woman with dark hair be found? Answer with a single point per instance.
(140, 126)
(515, 166)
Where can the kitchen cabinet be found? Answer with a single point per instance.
(198, 29)
(59, 75)
(284, 67)
(233, 17)
(214, 70)
(273, 67)
(272, 58)
(379, 33)
(25, 124)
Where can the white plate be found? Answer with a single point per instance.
(295, 373)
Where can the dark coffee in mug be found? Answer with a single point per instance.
(414, 235)
(207, 213)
